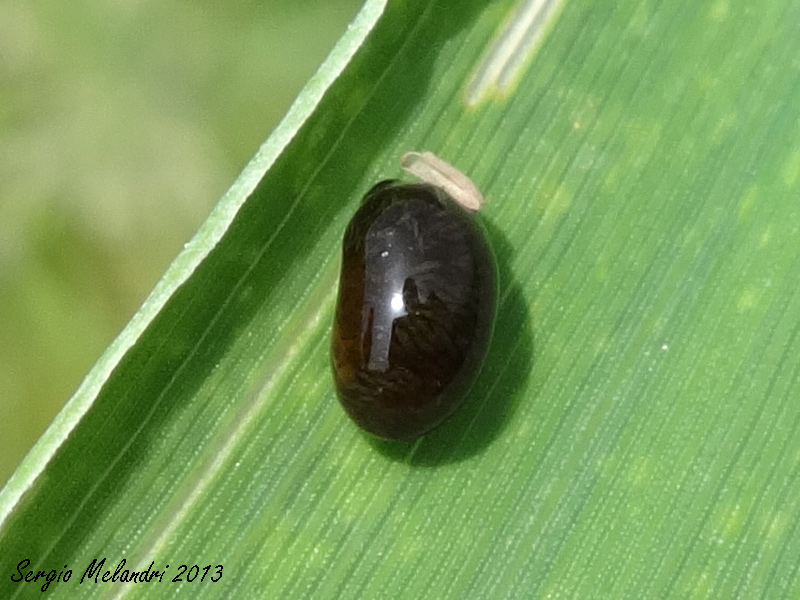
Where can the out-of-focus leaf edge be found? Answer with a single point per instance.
(190, 257)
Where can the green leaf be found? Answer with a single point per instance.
(633, 431)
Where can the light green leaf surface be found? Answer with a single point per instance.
(633, 433)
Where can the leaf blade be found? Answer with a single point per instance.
(638, 393)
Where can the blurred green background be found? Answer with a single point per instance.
(121, 123)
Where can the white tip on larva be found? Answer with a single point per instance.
(431, 169)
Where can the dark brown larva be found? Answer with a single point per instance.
(415, 310)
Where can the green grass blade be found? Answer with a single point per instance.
(632, 433)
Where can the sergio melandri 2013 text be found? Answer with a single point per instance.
(95, 573)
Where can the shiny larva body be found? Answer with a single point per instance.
(415, 310)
